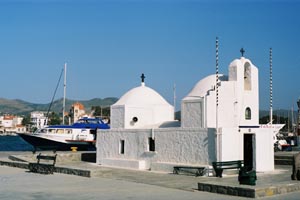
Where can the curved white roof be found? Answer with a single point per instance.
(204, 85)
(141, 95)
(241, 61)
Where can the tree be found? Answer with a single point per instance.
(54, 119)
(101, 111)
(26, 120)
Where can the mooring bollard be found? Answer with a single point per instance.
(74, 149)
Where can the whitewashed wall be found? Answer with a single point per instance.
(143, 114)
(232, 144)
(187, 146)
(264, 150)
(192, 113)
(117, 116)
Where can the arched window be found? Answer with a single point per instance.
(247, 76)
(248, 113)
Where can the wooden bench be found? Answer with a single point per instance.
(45, 167)
(197, 171)
(220, 166)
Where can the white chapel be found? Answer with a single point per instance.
(210, 130)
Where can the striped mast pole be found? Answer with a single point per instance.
(271, 89)
(217, 102)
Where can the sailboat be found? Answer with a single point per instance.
(80, 135)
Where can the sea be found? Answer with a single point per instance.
(14, 143)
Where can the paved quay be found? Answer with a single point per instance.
(123, 182)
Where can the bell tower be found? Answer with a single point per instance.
(245, 76)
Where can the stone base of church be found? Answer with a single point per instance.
(163, 167)
(166, 167)
(126, 163)
(169, 167)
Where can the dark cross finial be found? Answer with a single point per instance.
(242, 51)
(143, 77)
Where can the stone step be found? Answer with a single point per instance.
(283, 162)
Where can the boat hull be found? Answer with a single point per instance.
(41, 143)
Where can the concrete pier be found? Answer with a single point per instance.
(275, 183)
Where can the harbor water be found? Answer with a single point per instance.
(14, 143)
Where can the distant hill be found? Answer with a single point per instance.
(20, 107)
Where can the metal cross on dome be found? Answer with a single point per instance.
(242, 51)
(143, 77)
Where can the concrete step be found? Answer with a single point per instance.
(283, 159)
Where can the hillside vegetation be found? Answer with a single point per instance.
(20, 107)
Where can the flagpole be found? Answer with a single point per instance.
(271, 89)
(217, 102)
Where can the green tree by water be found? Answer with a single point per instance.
(101, 111)
(54, 119)
(26, 120)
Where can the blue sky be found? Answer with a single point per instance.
(108, 44)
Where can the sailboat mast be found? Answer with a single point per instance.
(65, 85)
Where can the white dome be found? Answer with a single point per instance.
(205, 85)
(141, 95)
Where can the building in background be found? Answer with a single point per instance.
(38, 119)
(10, 124)
(76, 112)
